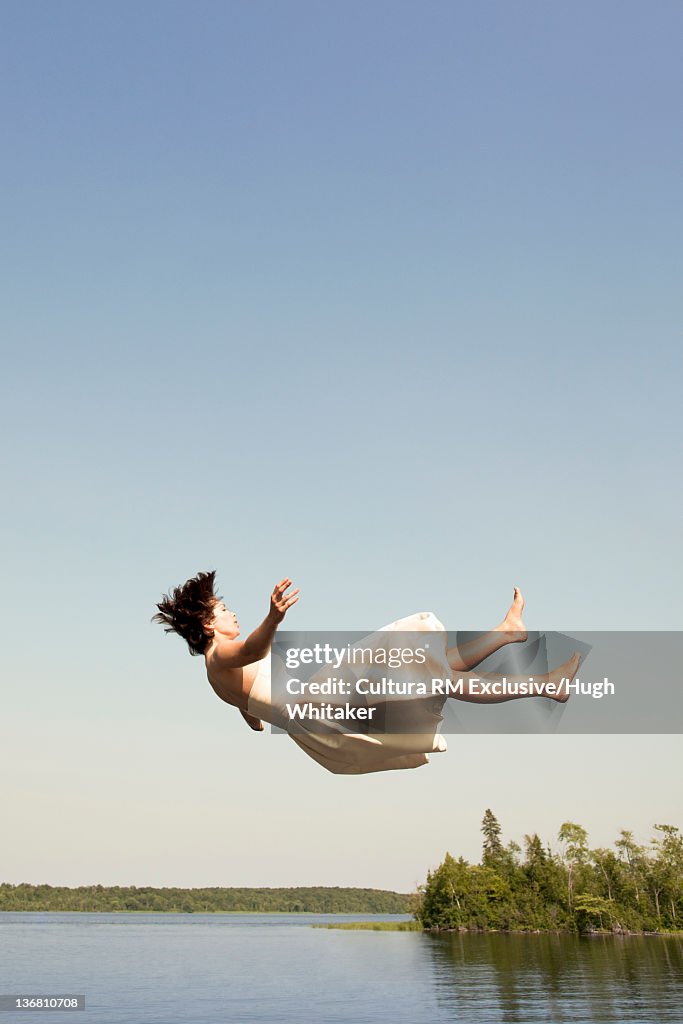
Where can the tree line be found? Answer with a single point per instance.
(309, 900)
(632, 887)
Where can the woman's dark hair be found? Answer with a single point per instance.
(188, 610)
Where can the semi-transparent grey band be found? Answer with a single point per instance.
(627, 683)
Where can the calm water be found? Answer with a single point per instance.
(265, 968)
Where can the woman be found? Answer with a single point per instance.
(239, 672)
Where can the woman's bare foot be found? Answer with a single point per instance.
(512, 623)
(561, 676)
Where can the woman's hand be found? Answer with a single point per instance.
(280, 601)
(238, 653)
(254, 723)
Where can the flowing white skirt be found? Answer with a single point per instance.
(357, 753)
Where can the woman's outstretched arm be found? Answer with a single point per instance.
(238, 653)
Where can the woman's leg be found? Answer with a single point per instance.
(486, 689)
(510, 631)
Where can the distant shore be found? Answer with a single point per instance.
(26, 897)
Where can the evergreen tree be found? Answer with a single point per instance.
(493, 847)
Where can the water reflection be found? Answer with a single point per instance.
(558, 978)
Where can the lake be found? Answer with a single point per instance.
(219, 969)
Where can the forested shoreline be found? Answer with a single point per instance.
(304, 900)
(631, 888)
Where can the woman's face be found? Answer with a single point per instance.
(225, 621)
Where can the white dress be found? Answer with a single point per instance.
(349, 753)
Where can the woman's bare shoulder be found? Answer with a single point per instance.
(229, 683)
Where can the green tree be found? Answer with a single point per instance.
(633, 879)
(492, 852)
(666, 871)
(608, 870)
(444, 903)
(575, 839)
(589, 910)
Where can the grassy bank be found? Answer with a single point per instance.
(374, 926)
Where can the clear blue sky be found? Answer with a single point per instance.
(385, 297)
